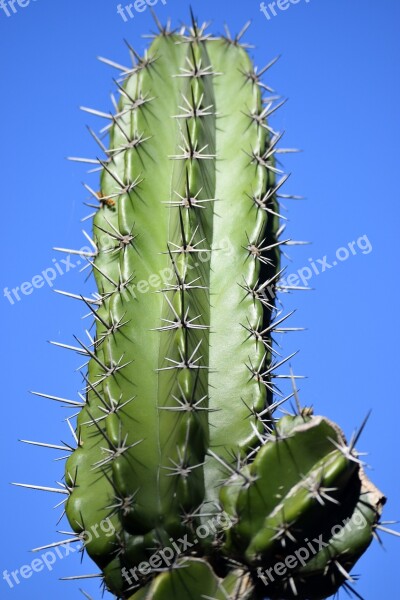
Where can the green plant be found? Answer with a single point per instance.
(177, 427)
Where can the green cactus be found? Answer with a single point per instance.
(304, 496)
(177, 445)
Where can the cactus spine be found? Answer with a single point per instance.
(178, 424)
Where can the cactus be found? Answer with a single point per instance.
(177, 433)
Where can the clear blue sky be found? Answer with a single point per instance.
(339, 69)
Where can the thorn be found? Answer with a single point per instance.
(97, 302)
(42, 488)
(85, 594)
(57, 399)
(78, 577)
(73, 432)
(295, 392)
(60, 543)
(381, 527)
(44, 445)
(68, 347)
(96, 113)
(90, 240)
(89, 161)
(76, 252)
(111, 63)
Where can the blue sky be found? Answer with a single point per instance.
(339, 69)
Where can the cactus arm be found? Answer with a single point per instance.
(305, 484)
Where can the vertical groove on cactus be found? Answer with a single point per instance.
(238, 353)
(177, 425)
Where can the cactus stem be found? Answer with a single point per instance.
(205, 394)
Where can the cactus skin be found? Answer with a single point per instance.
(194, 579)
(180, 378)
